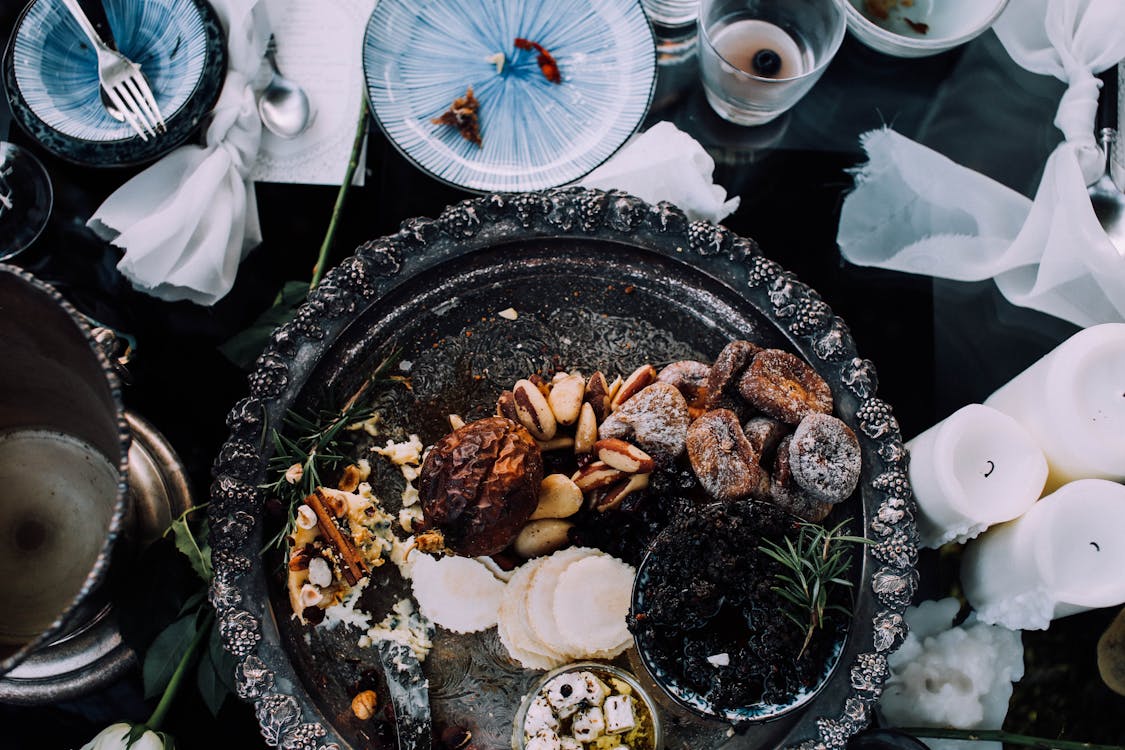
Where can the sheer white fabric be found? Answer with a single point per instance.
(914, 210)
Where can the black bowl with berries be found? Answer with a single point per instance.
(718, 616)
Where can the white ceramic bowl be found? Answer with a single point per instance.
(947, 24)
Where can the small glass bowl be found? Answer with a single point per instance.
(948, 24)
(603, 671)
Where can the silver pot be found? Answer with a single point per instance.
(64, 454)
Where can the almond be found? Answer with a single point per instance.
(638, 380)
(612, 497)
(566, 398)
(533, 411)
(586, 433)
(596, 475)
(559, 497)
(624, 456)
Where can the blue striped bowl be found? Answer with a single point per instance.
(418, 56)
(52, 75)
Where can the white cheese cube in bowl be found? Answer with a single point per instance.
(544, 739)
(589, 724)
(540, 716)
(620, 715)
(567, 693)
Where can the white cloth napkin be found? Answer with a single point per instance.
(914, 210)
(186, 222)
(666, 164)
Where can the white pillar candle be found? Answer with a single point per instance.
(1072, 401)
(1065, 555)
(976, 468)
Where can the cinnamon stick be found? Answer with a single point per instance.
(353, 566)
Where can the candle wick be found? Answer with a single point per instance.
(991, 468)
(1095, 545)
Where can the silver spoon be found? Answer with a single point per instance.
(283, 106)
(1108, 201)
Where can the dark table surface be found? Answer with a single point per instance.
(938, 345)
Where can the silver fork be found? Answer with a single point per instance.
(122, 81)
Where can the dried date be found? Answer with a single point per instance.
(479, 485)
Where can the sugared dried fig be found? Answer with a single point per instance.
(656, 419)
(764, 434)
(784, 386)
(722, 378)
(787, 494)
(824, 457)
(690, 379)
(722, 457)
(480, 484)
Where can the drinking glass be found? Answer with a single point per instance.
(25, 199)
(759, 57)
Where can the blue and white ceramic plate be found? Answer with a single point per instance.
(420, 55)
(51, 74)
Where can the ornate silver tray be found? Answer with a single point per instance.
(599, 280)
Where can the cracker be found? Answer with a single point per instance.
(457, 593)
(591, 603)
(541, 597)
(516, 633)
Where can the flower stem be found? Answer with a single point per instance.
(341, 196)
(173, 685)
(999, 735)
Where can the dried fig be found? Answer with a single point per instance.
(787, 494)
(764, 434)
(784, 386)
(722, 379)
(690, 378)
(722, 457)
(656, 419)
(824, 457)
(480, 484)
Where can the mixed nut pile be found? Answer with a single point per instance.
(755, 424)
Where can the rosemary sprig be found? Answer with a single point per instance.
(814, 566)
(311, 447)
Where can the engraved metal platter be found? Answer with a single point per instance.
(598, 280)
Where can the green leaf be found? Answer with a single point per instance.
(198, 554)
(193, 602)
(152, 593)
(211, 688)
(244, 347)
(165, 653)
(222, 661)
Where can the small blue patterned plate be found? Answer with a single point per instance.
(51, 75)
(421, 55)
